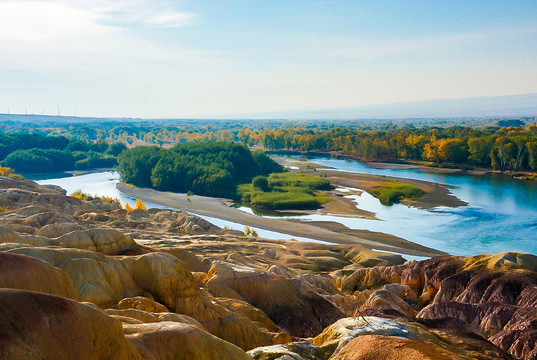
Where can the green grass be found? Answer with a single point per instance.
(392, 192)
(287, 191)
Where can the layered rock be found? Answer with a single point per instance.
(373, 337)
(493, 295)
(290, 306)
(167, 277)
(41, 326)
(291, 351)
(26, 273)
(182, 341)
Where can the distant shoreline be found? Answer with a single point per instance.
(412, 165)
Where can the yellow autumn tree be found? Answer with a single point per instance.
(128, 207)
(7, 171)
(140, 205)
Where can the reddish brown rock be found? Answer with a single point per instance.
(41, 326)
(377, 347)
(28, 273)
(293, 308)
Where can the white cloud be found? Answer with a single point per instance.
(45, 21)
(95, 36)
(159, 13)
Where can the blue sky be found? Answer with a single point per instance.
(160, 58)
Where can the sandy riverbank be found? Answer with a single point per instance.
(216, 207)
(435, 194)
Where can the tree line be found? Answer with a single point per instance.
(205, 168)
(32, 153)
(507, 148)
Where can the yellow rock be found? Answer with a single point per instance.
(41, 326)
(28, 273)
(149, 317)
(105, 241)
(100, 279)
(172, 340)
(502, 261)
(376, 347)
(142, 303)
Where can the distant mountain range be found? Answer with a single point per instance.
(493, 106)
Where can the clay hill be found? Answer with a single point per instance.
(84, 280)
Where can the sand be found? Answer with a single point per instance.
(216, 207)
(435, 194)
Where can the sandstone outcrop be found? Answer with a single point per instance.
(290, 306)
(291, 351)
(41, 326)
(355, 338)
(172, 340)
(26, 273)
(377, 347)
(168, 280)
(141, 303)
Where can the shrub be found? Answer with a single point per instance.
(83, 196)
(261, 182)
(392, 192)
(285, 191)
(140, 205)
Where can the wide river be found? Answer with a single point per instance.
(501, 215)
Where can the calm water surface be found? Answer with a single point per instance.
(501, 215)
(104, 184)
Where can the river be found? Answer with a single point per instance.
(104, 184)
(501, 215)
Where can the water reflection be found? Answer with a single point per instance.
(104, 184)
(501, 216)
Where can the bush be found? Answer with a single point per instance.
(83, 196)
(392, 192)
(261, 182)
(140, 205)
(285, 191)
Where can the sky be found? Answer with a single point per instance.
(195, 58)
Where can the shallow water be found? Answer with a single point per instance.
(501, 215)
(104, 184)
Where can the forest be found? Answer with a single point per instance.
(511, 148)
(500, 144)
(32, 153)
(204, 168)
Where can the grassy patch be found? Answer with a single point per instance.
(286, 191)
(391, 192)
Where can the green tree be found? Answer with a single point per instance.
(261, 182)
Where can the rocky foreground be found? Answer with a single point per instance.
(84, 280)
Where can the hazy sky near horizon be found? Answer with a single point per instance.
(190, 58)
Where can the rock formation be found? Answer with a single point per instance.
(163, 284)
